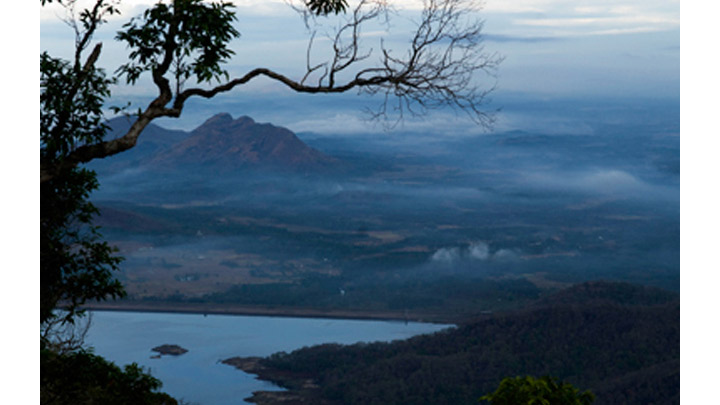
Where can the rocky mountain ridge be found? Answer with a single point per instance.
(224, 143)
(221, 144)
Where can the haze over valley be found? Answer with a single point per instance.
(250, 213)
(362, 202)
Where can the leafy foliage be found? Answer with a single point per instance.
(195, 34)
(537, 391)
(84, 378)
(324, 7)
(75, 264)
(71, 101)
(189, 36)
(187, 39)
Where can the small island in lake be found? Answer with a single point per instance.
(174, 350)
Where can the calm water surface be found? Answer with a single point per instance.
(197, 376)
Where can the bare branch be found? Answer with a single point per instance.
(90, 19)
(311, 70)
(63, 336)
(442, 67)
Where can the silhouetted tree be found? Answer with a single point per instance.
(187, 39)
(81, 377)
(75, 265)
(184, 41)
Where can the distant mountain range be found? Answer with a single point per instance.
(221, 144)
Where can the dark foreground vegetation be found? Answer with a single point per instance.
(81, 377)
(543, 390)
(618, 340)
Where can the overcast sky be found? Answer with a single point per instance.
(554, 50)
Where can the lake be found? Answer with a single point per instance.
(197, 377)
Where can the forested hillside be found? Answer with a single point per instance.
(617, 340)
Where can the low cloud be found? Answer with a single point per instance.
(479, 251)
(607, 182)
(549, 124)
(339, 124)
(446, 255)
(506, 254)
(475, 252)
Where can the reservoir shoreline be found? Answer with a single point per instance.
(219, 309)
(198, 376)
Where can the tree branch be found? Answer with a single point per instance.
(439, 69)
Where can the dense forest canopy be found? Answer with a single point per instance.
(618, 340)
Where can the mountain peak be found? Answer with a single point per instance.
(224, 122)
(219, 118)
(245, 120)
(225, 143)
